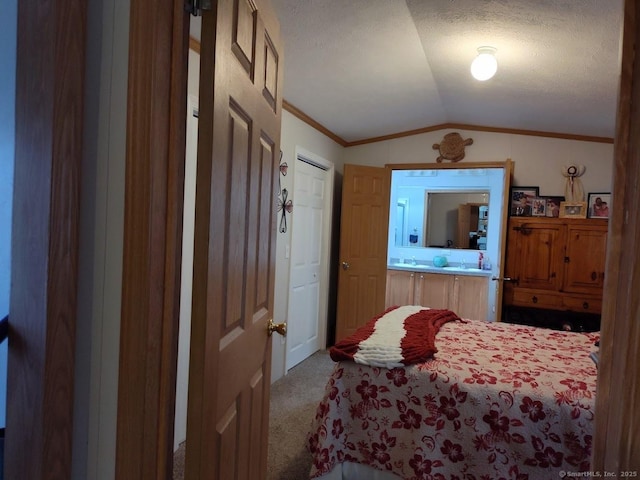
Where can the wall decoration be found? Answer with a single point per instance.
(573, 210)
(283, 171)
(573, 190)
(452, 147)
(284, 205)
(599, 204)
(521, 201)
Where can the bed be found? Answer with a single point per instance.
(494, 401)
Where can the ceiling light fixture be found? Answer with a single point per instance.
(485, 65)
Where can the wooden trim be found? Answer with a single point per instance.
(480, 128)
(617, 420)
(449, 166)
(45, 236)
(156, 124)
(296, 112)
(506, 200)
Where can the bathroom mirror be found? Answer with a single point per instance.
(442, 208)
(456, 219)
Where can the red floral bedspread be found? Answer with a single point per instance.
(498, 401)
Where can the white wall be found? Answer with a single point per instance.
(538, 160)
(101, 241)
(296, 133)
(186, 287)
(8, 27)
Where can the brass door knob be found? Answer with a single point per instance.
(281, 328)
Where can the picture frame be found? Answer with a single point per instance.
(573, 210)
(599, 204)
(553, 206)
(539, 207)
(521, 200)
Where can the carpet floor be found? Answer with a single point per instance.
(294, 399)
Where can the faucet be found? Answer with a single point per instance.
(413, 261)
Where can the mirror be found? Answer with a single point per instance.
(448, 208)
(456, 220)
(450, 220)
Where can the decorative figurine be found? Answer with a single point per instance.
(452, 147)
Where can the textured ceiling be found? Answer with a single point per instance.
(367, 68)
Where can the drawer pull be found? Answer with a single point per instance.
(594, 275)
(534, 299)
(585, 305)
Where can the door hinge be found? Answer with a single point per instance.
(196, 7)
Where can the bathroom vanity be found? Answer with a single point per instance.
(465, 291)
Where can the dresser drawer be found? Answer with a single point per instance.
(535, 299)
(584, 304)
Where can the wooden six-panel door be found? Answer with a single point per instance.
(363, 246)
(233, 284)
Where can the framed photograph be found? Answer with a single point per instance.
(553, 206)
(599, 204)
(573, 210)
(539, 207)
(521, 201)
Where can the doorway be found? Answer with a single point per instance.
(310, 253)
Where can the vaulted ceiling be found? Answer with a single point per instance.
(369, 68)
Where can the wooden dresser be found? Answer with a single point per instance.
(557, 265)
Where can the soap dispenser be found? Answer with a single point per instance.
(413, 237)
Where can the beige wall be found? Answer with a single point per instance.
(538, 160)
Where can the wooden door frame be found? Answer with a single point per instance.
(45, 238)
(45, 241)
(154, 191)
(616, 439)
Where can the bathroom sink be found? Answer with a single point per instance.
(459, 269)
(417, 266)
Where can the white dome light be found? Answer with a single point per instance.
(485, 65)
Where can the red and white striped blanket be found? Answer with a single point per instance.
(399, 336)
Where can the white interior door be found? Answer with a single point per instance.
(308, 279)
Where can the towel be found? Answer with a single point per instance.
(397, 337)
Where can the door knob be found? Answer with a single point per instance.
(345, 265)
(281, 328)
